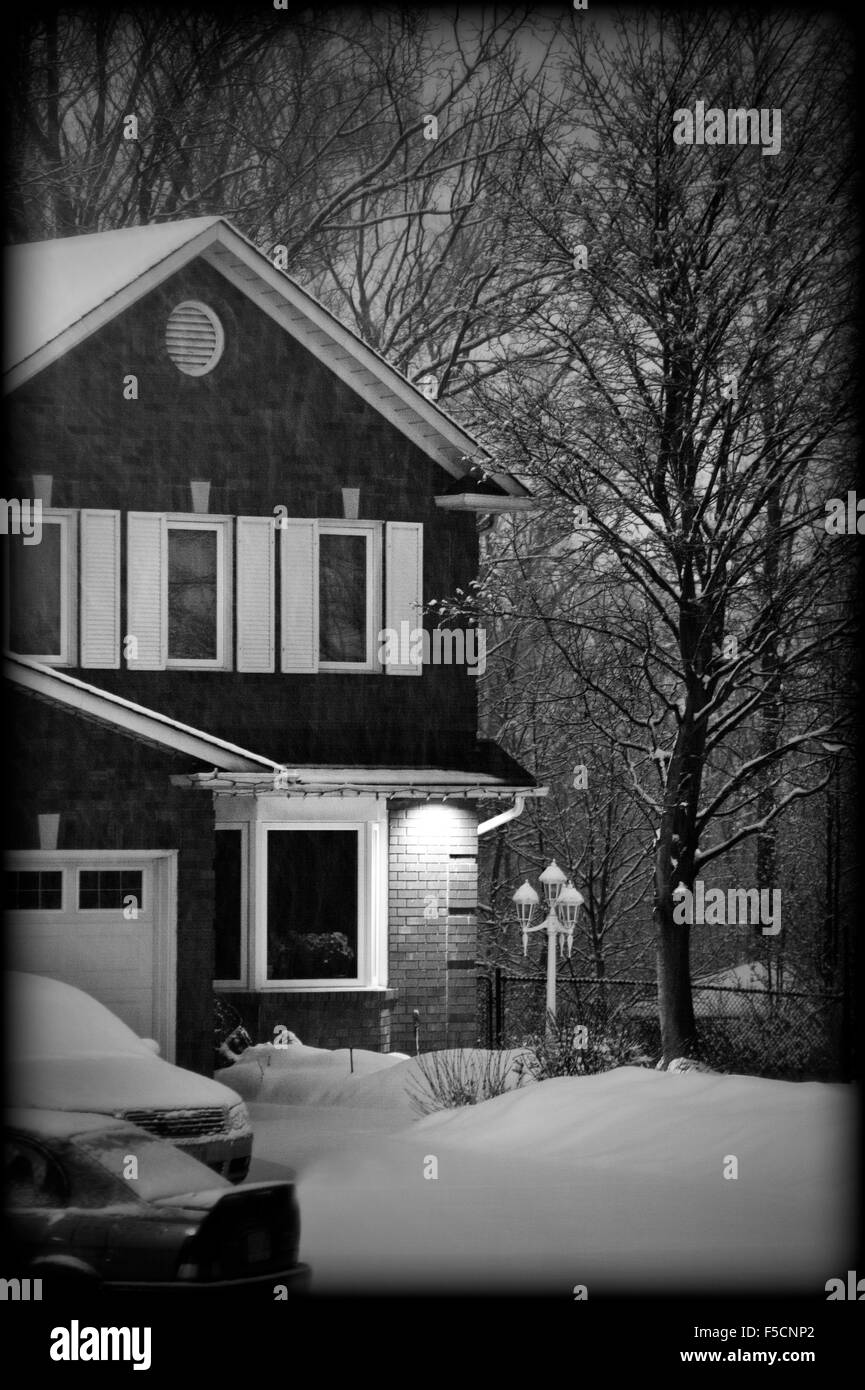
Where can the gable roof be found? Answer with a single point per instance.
(59, 292)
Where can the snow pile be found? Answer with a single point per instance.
(621, 1181)
(681, 1124)
(299, 1075)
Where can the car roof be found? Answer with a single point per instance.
(53, 1019)
(60, 1124)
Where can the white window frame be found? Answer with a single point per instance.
(372, 530)
(67, 519)
(191, 521)
(367, 816)
(15, 868)
(345, 982)
(240, 982)
(115, 914)
(69, 864)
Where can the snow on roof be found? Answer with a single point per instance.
(51, 285)
(751, 974)
(61, 291)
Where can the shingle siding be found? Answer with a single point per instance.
(269, 426)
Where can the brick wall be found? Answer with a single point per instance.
(432, 895)
(341, 1018)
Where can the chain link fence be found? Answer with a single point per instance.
(792, 1036)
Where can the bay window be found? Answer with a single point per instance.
(310, 913)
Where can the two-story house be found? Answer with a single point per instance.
(235, 762)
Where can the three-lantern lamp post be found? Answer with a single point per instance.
(563, 904)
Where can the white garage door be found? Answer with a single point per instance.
(104, 921)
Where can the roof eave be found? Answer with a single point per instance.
(483, 502)
(352, 782)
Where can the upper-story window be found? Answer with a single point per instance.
(40, 607)
(178, 587)
(195, 593)
(204, 592)
(348, 595)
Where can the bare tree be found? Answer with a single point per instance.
(365, 149)
(691, 410)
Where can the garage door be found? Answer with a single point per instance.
(101, 920)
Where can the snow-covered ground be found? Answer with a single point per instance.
(613, 1181)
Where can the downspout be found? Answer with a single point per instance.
(510, 814)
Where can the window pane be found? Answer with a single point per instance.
(108, 890)
(227, 867)
(35, 601)
(28, 890)
(342, 598)
(192, 595)
(311, 904)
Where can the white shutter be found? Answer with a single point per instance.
(255, 552)
(298, 559)
(403, 588)
(100, 588)
(147, 589)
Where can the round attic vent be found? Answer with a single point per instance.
(194, 339)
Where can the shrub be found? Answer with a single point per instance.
(558, 1051)
(462, 1076)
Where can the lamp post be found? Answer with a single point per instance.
(563, 904)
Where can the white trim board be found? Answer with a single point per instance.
(148, 725)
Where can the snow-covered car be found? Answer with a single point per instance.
(94, 1204)
(66, 1051)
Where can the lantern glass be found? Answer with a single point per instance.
(568, 905)
(525, 900)
(553, 880)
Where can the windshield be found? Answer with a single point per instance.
(150, 1167)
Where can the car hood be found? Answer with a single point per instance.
(108, 1085)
